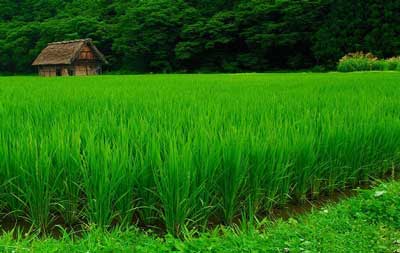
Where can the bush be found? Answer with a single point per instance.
(393, 63)
(358, 61)
(379, 65)
(318, 69)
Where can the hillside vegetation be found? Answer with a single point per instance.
(202, 35)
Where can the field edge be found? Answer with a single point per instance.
(369, 222)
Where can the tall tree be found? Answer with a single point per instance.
(202, 35)
(147, 34)
(358, 25)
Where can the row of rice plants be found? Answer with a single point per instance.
(189, 151)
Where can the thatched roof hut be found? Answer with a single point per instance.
(75, 57)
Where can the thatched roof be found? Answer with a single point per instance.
(65, 52)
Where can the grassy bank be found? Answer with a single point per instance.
(182, 152)
(369, 222)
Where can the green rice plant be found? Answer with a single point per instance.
(11, 204)
(67, 161)
(233, 177)
(146, 192)
(102, 172)
(206, 160)
(38, 182)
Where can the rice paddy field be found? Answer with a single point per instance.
(182, 152)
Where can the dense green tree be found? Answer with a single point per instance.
(202, 35)
(278, 33)
(209, 43)
(8, 9)
(358, 25)
(147, 34)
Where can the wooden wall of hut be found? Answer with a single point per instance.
(81, 69)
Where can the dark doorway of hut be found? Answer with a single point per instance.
(71, 72)
(58, 72)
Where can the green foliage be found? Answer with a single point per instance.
(393, 63)
(357, 62)
(188, 150)
(366, 62)
(379, 65)
(202, 36)
(380, 206)
(147, 43)
(359, 25)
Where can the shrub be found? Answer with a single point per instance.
(358, 61)
(379, 65)
(318, 69)
(393, 63)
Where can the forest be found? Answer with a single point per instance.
(142, 36)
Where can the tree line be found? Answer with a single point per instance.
(202, 35)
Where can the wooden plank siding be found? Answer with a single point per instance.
(77, 70)
(86, 54)
(47, 71)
